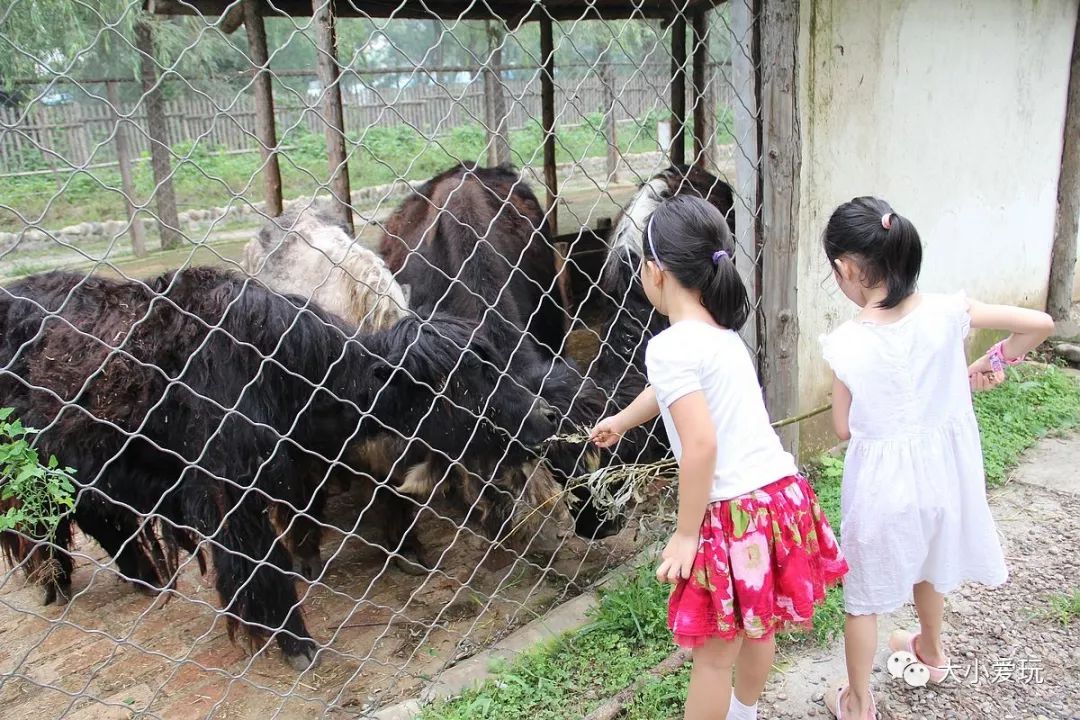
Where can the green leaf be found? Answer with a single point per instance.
(5, 413)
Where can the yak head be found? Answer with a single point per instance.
(440, 383)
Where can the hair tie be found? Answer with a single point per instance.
(718, 256)
(886, 220)
(652, 246)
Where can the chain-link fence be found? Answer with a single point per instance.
(312, 304)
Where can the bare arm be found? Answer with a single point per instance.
(696, 468)
(698, 463)
(841, 408)
(1029, 328)
(643, 409)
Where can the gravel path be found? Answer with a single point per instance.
(1012, 660)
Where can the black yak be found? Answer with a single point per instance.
(474, 242)
(307, 252)
(191, 404)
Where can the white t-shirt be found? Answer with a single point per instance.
(690, 356)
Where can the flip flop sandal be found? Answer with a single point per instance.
(904, 657)
(834, 703)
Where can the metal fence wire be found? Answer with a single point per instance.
(313, 305)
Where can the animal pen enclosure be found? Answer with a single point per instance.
(274, 430)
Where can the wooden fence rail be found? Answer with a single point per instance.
(81, 133)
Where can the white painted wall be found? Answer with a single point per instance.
(953, 111)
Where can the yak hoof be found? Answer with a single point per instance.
(309, 568)
(306, 658)
(59, 593)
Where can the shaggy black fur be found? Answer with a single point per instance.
(474, 242)
(188, 405)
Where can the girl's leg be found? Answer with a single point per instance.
(710, 680)
(752, 668)
(860, 644)
(930, 605)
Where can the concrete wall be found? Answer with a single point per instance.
(953, 111)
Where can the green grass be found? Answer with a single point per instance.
(1034, 402)
(628, 634)
(204, 177)
(1065, 608)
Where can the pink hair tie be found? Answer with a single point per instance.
(886, 220)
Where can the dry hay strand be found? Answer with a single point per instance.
(612, 489)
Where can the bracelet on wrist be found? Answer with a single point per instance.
(998, 361)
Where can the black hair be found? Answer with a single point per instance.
(890, 255)
(689, 238)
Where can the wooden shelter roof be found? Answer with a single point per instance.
(513, 11)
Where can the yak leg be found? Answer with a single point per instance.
(250, 565)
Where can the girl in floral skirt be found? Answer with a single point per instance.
(752, 552)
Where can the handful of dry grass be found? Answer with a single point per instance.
(578, 437)
(614, 488)
(611, 489)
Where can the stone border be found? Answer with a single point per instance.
(473, 671)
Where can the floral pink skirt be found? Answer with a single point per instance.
(764, 561)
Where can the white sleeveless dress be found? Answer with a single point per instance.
(913, 502)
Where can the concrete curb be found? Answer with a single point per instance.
(472, 672)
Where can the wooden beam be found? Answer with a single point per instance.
(781, 154)
(498, 148)
(511, 11)
(704, 99)
(611, 125)
(123, 159)
(264, 106)
(157, 128)
(678, 91)
(1067, 225)
(333, 115)
(547, 106)
(747, 168)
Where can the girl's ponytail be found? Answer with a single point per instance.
(885, 245)
(901, 256)
(690, 238)
(725, 295)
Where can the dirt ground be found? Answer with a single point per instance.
(116, 653)
(1011, 659)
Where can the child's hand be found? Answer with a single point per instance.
(982, 376)
(606, 433)
(678, 558)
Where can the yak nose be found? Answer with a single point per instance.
(547, 411)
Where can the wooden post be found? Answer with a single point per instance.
(333, 115)
(781, 165)
(157, 128)
(748, 168)
(498, 147)
(547, 107)
(607, 82)
(704, 100)
(678, 90)
(264, 105)
(123, 158)
(1067, 224)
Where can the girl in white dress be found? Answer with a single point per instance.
(914, 516)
